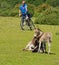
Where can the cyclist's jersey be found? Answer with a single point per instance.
(23, 9)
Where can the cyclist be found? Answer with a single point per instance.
(24, 12)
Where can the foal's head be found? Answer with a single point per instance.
(37, 32)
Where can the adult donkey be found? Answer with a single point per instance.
(33, 45)
(44, 37)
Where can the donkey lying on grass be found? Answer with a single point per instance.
(34, 44)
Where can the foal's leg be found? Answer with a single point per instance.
(39, 47)
(49, 45)
(44, 48)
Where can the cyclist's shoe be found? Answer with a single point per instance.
(26, 17)
(22, 28)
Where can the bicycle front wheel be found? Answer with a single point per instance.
(32, 24)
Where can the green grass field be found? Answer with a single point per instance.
(13, 40)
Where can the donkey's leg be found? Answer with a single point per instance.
(27, 46)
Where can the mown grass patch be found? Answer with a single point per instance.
(13, 40)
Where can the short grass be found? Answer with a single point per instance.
(13, 40)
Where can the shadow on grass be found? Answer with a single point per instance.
(46, 53)
(41, 52)
(50, 53)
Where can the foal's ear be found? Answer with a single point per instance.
(35, 28)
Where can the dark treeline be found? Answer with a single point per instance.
(9, 7)
(12, 3)
(45, 11)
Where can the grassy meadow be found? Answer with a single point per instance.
(13, 40)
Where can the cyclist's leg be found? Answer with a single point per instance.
(22, 22)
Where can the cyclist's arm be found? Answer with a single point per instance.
(26, 11)
(19, 12)
(26, 8)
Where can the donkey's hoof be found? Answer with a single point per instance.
(48, 52)
(23, 49)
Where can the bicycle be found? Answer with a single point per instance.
(28, 23)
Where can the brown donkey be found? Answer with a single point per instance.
(34, 44)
